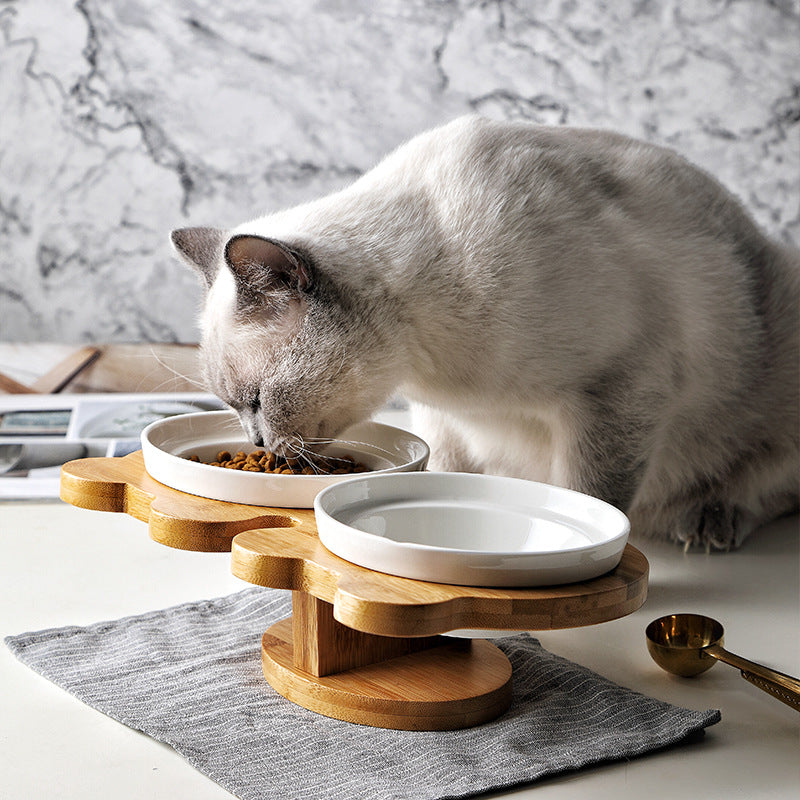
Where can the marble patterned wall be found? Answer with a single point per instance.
(120, 119)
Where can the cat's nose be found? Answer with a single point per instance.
(250, 428)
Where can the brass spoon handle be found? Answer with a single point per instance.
(784, 695)
(784, 687)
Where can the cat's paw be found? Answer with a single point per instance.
(713, 526)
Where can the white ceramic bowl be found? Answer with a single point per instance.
(470, 530)
(166, 445)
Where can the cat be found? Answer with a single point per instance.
(565, 305)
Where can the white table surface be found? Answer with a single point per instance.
(61, 565)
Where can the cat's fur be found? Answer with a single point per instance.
(564, 305)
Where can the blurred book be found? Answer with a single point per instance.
(40, 432)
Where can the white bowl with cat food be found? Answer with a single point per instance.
(168, 445)
(471, 530)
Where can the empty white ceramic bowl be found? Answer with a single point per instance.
(166, 445)
(470, 530)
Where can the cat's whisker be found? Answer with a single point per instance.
(309, 456)
(313, 458)
(295, 445)
(311, 463)
(350, 442)
(340, 368)
(174, 372)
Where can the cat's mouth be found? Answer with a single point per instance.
(292, 442)
(286, 445)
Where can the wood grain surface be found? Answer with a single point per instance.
(175, 519)
(457, 684)
(373, 602)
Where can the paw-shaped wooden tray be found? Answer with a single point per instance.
(361, 645)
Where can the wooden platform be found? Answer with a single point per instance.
(361, 645)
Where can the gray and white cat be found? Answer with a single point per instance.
(564, 305)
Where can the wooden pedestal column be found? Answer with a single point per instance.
(427, 683)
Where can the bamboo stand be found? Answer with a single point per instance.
(360, 645)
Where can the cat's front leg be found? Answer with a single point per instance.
(604, 458)
(718, 516)
(449, 450)
(613, 472)
(716, 524)
(697, 523)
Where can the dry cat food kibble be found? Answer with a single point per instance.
(266, 461)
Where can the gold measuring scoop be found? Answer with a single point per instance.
(688, 644)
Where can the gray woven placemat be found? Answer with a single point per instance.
(190, 676)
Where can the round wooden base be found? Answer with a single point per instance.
(457, 684)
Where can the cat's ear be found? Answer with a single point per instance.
(201, 249)
(264, 265)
